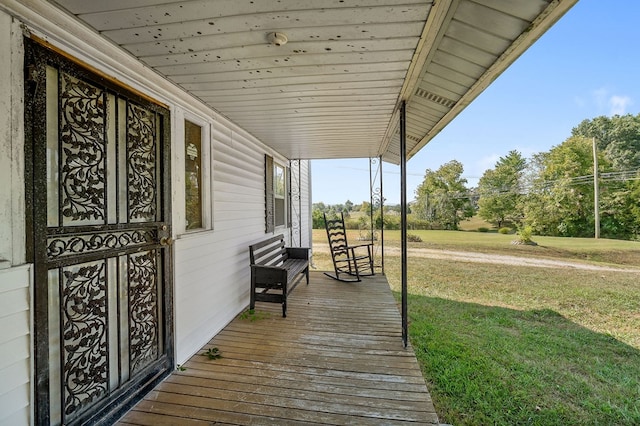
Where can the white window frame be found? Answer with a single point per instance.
(284, 196)
(207, 174)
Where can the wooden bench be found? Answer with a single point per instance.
(276, 270)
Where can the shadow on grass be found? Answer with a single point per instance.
(489, 365)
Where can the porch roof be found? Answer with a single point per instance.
(334, 90)
(336, 359)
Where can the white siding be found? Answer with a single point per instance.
(15, 349)
(212, 268)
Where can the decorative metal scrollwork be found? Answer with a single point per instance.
(141, 141)
(375, 176)
(82, 136)
(376, 232)
(79, 244)
(296, 202)
(143, 310)
(84, 334)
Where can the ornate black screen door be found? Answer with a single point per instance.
(97, 188)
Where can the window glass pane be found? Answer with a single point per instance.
(279, 212)
(278, 180)
(193, 175)
(279, 190)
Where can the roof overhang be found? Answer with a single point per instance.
(334, 89)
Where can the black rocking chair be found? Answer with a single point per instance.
(349, 262)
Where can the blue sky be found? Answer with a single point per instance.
(585, 66)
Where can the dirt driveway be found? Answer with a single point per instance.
(466, 256)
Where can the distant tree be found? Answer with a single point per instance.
(348, 205)
(618, 137)
(319, 206)
(561, 200)
(394, 208)
(500, 190)
(634, 207)
(442, 196)
(317, 219)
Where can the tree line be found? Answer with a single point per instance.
(553, 192)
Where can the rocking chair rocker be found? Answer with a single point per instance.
(349, 262)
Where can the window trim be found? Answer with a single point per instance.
(270, 165)
(206, 177)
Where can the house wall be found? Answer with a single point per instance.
(15, 275)
(211, 268)
(15, 346)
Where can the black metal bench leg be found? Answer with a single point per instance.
(284, 309)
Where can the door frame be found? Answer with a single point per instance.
(115, 405)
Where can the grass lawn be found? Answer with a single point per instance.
(515, 345)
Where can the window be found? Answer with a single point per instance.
(193, 175)
(279, 191)
(275, 194)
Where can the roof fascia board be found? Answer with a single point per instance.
(440, 15)
(554, 11)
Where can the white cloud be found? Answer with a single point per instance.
(618, 104)
(600, 97)
(612, 104)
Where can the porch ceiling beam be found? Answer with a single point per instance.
(441, 12)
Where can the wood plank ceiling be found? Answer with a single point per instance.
(334, 89)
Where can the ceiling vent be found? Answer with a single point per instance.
(448, 103)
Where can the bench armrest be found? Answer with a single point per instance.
(298, 252)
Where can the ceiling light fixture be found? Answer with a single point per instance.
(277, 39)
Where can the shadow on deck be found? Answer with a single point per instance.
(336, 359)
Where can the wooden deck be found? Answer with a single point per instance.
(336, 359)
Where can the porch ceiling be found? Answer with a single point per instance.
(334, 89)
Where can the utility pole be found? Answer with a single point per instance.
(596, 190)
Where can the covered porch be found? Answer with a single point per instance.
(288, 81)
(338, 358)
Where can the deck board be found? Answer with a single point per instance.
(336, 359)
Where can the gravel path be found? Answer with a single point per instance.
(466, 256)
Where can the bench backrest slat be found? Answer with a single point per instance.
(270, 252)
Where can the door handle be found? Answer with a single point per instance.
(166, 241)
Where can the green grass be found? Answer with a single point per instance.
(605, 251)
(515, 345)
(474, 223)
(488, 365)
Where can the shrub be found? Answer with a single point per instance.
(351, 224)
(524, 235)
(483, 229)
(504, 230)
(414, 238)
